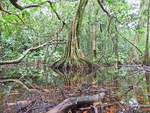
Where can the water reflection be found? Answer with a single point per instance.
(127, 83)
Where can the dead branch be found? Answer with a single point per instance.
(76, 102)
(18, 60)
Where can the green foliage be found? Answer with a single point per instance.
(40, 24)
(110, 1)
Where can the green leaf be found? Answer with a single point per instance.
(110, 1)
(53, 6)
(141, 30)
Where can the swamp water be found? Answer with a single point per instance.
(41, 88)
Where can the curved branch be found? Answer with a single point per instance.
(18, 60)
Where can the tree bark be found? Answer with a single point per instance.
(76, 102)
(73, 54)
(146, 54)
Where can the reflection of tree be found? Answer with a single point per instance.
(75, 74)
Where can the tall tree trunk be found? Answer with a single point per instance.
(146, 54)
(73, 54)
(134, 55)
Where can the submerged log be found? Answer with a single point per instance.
(76, 103)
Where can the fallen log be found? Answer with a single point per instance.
(76, 102)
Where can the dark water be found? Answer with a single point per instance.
(127, 82)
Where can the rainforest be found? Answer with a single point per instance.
(74, 56)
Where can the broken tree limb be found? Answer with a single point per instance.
(76, 102)
(18, 60)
